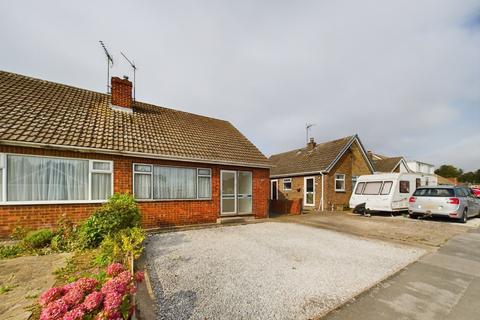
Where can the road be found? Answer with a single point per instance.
(444, 284)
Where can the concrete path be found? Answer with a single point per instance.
(442, 285)
(27, 277)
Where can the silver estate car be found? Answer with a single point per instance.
(446, 201)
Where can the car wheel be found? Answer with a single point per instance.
(464, 217)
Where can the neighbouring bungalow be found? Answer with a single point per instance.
(323, 174)
(65, 150)
(385, 164)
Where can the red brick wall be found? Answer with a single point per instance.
(121, 92)
(286, 206)
(154, 213)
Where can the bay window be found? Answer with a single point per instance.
(39, 179)
(171, 183)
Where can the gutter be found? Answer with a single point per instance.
(295, 174)
(132, 154)
(323, 184)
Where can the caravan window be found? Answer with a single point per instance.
(372, 188)
(404, 186)
(387, 186)
(359, 188)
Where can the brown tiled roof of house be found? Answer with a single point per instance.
(305, 160)
(386, 164)
(40, 112)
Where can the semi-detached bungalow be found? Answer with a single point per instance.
(65, 150)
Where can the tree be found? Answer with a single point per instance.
(449, 171)
(470, 177)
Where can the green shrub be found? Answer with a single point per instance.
(10, 251)
(38, 239)
(119, 212)
(123, 246)
(66, 236)
(18, 233)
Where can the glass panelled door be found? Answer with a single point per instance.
(236, 192)
(244, 195)
(229, 191)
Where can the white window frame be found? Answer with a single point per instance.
(287, 180)
(197, 198)
(305, 192)
(4, 166)
(337, 179)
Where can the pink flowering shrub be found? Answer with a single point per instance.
(85, 299)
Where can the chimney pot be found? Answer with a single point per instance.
(122, 92)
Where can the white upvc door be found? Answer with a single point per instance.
(309, 191)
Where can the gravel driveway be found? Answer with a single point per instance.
(265, 271)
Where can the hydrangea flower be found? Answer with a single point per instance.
(93, 301)
(74, 314)
(87, 285)
(73, 297)
(54, 310)
(50, 295)
(114, 269)
(114, 285)
(69, 287)
(139, 276)
(112, 301)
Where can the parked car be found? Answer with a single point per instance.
(476, 192)
(445, 201)
(386, 192)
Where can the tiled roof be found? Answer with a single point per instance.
(386, 164)
(43, 112)
(309, 160)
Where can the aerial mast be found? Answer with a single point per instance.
(109, 64)
(134, 67)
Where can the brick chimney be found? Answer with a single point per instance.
(122, 92)
(311, 144)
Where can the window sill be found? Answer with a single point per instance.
(54, 202)
(341, 191)
(172, 200)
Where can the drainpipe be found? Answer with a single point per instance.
(321, 201)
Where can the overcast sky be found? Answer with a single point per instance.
(404, 75)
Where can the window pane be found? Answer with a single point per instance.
(245, 205)
(228, 183)
(204, 187)
(244, 182)
(309, 185)
(404, 186)
(387, 186)
(339, 185)
(174, 183)
(228, 205)
(101, 186)
(204, 172)
(359, 188)
(1, 184)
(143, 186)
(372, 188)
(40, 179)
(101, 166)
(142, 168)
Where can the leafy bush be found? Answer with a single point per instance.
(18, 233)
(38, 239)
(10, 251)
(66, 236)
(119, 212)
(123, 246)
(87, 298)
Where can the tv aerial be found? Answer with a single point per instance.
(134, 67)
(109, 64)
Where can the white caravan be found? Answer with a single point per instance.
(387, 191)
